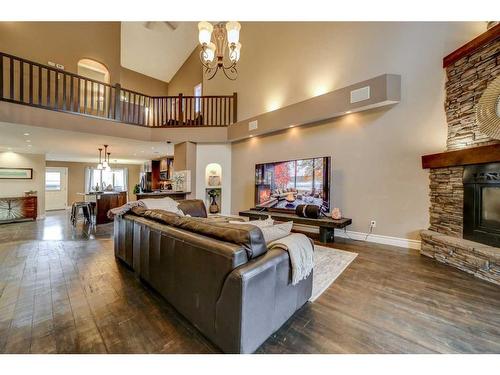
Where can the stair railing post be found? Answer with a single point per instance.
(118, 102)
(235, 107)
(181, 113)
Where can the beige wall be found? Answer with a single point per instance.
(64, 43)
(16, 188)
(141, 83)
(76, 177)
(375, 155)
(67, 42)
(188, 76)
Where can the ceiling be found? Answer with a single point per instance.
(157, 49)
(63, 145)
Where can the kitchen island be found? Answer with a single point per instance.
(177, 195)
(104, 201)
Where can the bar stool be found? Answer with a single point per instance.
(86, 210)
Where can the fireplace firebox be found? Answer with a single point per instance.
(482, 203)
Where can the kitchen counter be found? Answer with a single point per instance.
(177, 195)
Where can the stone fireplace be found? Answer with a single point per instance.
(464, 229)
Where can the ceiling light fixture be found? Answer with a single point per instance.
(104, 165)
(99, 165)
(105, 162)
(213, 39)
(26, 134)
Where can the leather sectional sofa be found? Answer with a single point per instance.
(220, 276)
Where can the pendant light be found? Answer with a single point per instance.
(108, 167)
(99, 165)
(105, 163)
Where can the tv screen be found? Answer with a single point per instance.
(283, 185)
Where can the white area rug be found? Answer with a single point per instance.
(328, 265)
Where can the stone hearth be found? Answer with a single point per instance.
(482, 261)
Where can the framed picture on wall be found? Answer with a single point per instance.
(16, 173)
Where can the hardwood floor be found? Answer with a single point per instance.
(62, 291)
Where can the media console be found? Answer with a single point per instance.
(326, 225)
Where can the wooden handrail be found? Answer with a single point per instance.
(30, 83)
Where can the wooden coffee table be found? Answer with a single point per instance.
(326, 225)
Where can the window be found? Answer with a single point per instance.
(197, 102)
(52, 181)
(96, 179)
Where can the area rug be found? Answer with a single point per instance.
(328, 265)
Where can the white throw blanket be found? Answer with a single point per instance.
(301, 251)
(122, 210)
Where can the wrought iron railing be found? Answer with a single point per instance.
(42, 86)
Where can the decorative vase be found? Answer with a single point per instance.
(214, 207)
(336, 214)
(213, 180)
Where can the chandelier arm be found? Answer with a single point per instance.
(231, 69)
(215, 70)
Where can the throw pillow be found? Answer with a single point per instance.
(167, 204)
(277, 231)
(258, 223)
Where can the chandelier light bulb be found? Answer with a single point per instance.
(205, 32)
(99, 166)
(233, 32)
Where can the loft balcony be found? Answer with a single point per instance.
(36, 85)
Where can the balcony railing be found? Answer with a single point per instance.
(42, 86)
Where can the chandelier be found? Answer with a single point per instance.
(214, 39)
(104, 165)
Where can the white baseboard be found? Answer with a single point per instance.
(378, 238)
(375, 238)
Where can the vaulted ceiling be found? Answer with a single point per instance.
(157, 49)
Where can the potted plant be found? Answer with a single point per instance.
(214, 207)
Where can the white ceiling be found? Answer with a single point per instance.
(155, 49)
(63, 145)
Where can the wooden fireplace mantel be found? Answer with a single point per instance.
(474, 44)
(467, 156)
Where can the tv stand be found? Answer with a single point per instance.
(326, 225)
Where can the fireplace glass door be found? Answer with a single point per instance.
(482, 203)
(490, 201)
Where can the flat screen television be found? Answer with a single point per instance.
(283, 185)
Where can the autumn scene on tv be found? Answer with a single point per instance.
(286, 184)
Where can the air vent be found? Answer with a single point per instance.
(360, 94)
(252, 125)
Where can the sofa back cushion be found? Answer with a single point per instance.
(247, 236)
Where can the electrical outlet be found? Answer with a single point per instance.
(373, 223)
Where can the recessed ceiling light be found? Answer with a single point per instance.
(26, 134)
(29, 145)
(251, 135)
(28, 140)
(348, 112)
(291, 126)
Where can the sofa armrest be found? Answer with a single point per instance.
(256, 299)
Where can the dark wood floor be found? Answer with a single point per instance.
(61, 291)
